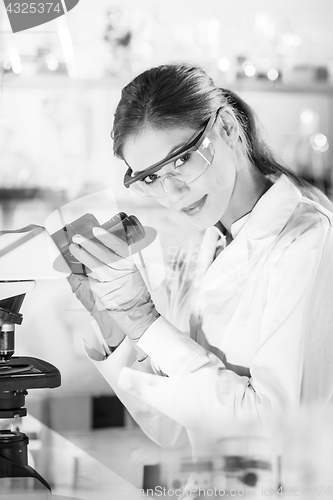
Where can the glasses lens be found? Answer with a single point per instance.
(195, 163)
(186, 169)
(142, 190)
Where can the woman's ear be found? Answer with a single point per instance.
(229, 128)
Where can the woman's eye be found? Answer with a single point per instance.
(150, 179)
(183, 159)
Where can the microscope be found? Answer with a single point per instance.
(26, 256)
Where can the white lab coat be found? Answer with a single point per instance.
(249, 335)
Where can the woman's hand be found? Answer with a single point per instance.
(111, 332)
(116, 281)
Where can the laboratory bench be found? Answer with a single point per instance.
(96, 465)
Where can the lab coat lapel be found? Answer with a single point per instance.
(223, 281)
(206, 257)
(208, 249)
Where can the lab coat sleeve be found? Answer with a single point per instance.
(204, 396)
(158, 427)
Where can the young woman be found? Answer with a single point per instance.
(249, 332)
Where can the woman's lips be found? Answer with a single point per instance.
(195, 208)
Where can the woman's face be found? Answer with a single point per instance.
(205, 200)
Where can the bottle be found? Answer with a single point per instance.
(126, 227)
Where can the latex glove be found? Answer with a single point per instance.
(111, 332)
(116, 281)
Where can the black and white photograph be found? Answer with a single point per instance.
(166, 249)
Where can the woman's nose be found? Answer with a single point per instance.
(175, 188)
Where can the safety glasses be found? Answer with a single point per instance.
(188, 163)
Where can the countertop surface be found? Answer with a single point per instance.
(98, 465)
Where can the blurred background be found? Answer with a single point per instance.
(59, 86)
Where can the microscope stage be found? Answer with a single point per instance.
(20, 373)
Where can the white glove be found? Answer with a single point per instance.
(111, 332)
(116, 281)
